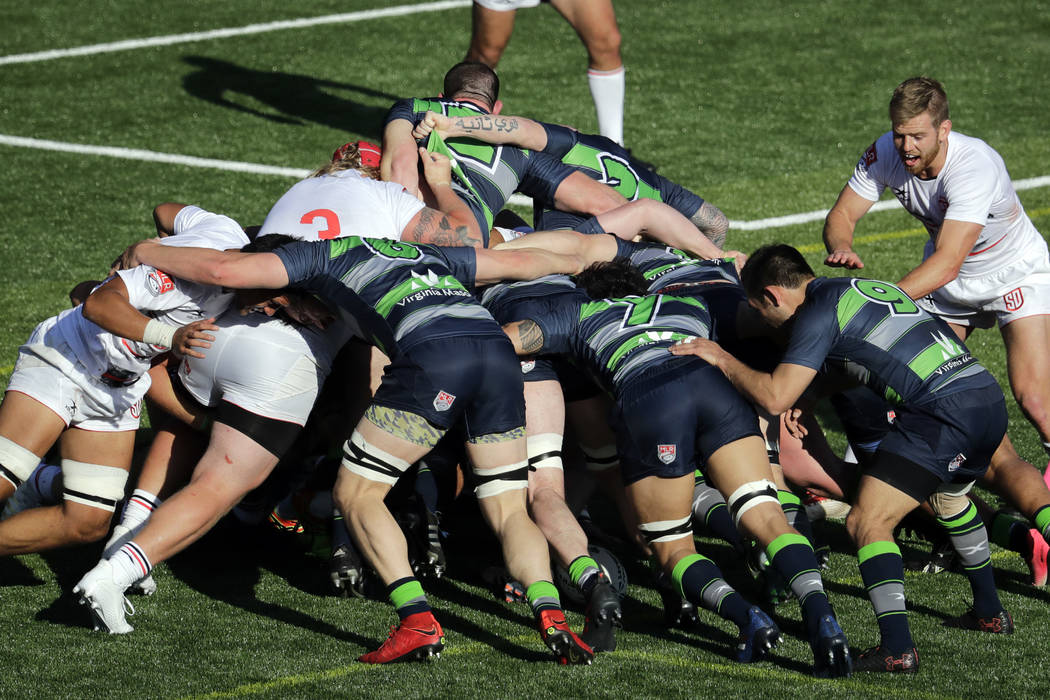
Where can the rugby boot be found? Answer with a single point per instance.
(417, 638)
(678, 612)
(831, 657)
(758, 637)
(561, 640)
(877, 659)
(602, 616)
(346, 572)
(999, 623)
(104, 599)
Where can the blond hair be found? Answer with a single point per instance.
(350, 160)
(918, 95)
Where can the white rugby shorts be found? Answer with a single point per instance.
(1014, 291)
(506, 5)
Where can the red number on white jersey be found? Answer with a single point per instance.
(331, 221)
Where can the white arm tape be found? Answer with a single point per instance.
(158, 333)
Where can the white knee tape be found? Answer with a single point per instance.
(93, 485)
(544, 451)
(496, 480)
(601, 458)
(751, 494)
(667, 530)
(16, 462)
(368, 461)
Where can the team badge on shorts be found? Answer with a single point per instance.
(1014, 299)
(443, 401)
(666, 453)
(159, 283)
(953, 466)
(527, 366)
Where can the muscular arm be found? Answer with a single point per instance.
(955, 240)
(525, 336)
(838, 229)
(589, 247)
(774, 393)
(164, 217)
(661, 223)
(490, 128)
(524, 264)
(400, 160)
(452, 223)
(229, 268)
(579, 193)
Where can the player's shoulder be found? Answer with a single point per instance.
(970, 154)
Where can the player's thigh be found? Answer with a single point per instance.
(104, 448)
(544, 407)
(491, 30)
(233, 463)
(29, 423)
(1027, 342)
(595, 22)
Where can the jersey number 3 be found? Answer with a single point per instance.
(331, 221)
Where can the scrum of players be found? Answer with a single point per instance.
(389, 301)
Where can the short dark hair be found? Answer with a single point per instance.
(269, 243)
(612, 279)
(917, 95)
(474, 79)
(776, 264)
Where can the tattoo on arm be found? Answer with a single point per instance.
(530, 336)
(487, 122)
(435, 228)
(712, 223)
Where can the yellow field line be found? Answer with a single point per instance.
(906, 233)
(739, 671)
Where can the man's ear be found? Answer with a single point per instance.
(771, 296)
(498, 107)
(944, 129)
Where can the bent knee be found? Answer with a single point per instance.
(83, 526)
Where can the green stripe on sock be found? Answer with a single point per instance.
(786, 540)
(874, 549)
(1042, 521)
(787, 498)
(679, 569)
(580, 566)
(962, 517)
(542, 589)
(406, 593)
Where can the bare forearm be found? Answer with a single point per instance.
(934, 272)
(838, 232)
(756, 386)
(495, 129)
(113, 313)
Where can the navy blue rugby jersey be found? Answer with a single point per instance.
(619, 339)
(400, 293)
(876, 334)
(485, 174)
(665, 267)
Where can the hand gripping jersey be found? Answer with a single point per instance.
(608, 162)
(973, 186)
(157, 295)
(401, 294)
(485, 175)
(876, 334)
(345, 203)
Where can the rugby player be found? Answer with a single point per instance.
(950, 417)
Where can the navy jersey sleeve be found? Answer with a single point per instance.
(560, 139)
(462, 263)
(303, 260)
(814, 332)
(542, 176)
(402, 109)
(557, 323)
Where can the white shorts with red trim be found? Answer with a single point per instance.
(1017, 290)
(506, 5)
(45, 372)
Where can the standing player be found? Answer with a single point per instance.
(949, 420)
(594, 22)
(449, 361)
(485, 176)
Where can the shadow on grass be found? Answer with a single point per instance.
(292, 99)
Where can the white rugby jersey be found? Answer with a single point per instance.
(345, 203)
(973, 186)
(157, 295)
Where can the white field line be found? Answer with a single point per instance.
(130, 44)
(299, 173)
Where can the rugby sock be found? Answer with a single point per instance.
(710, 509)
(139, 508)
(426, 487)
(882, 570)
(340, 535)
(1042, 522)
(407, 596)
(795, 513)
(970, 540)
(129, 564)
(584, 571)
(607, 89)
(699, 581)
(1008, 531)
(542, 595)
(792, 555)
